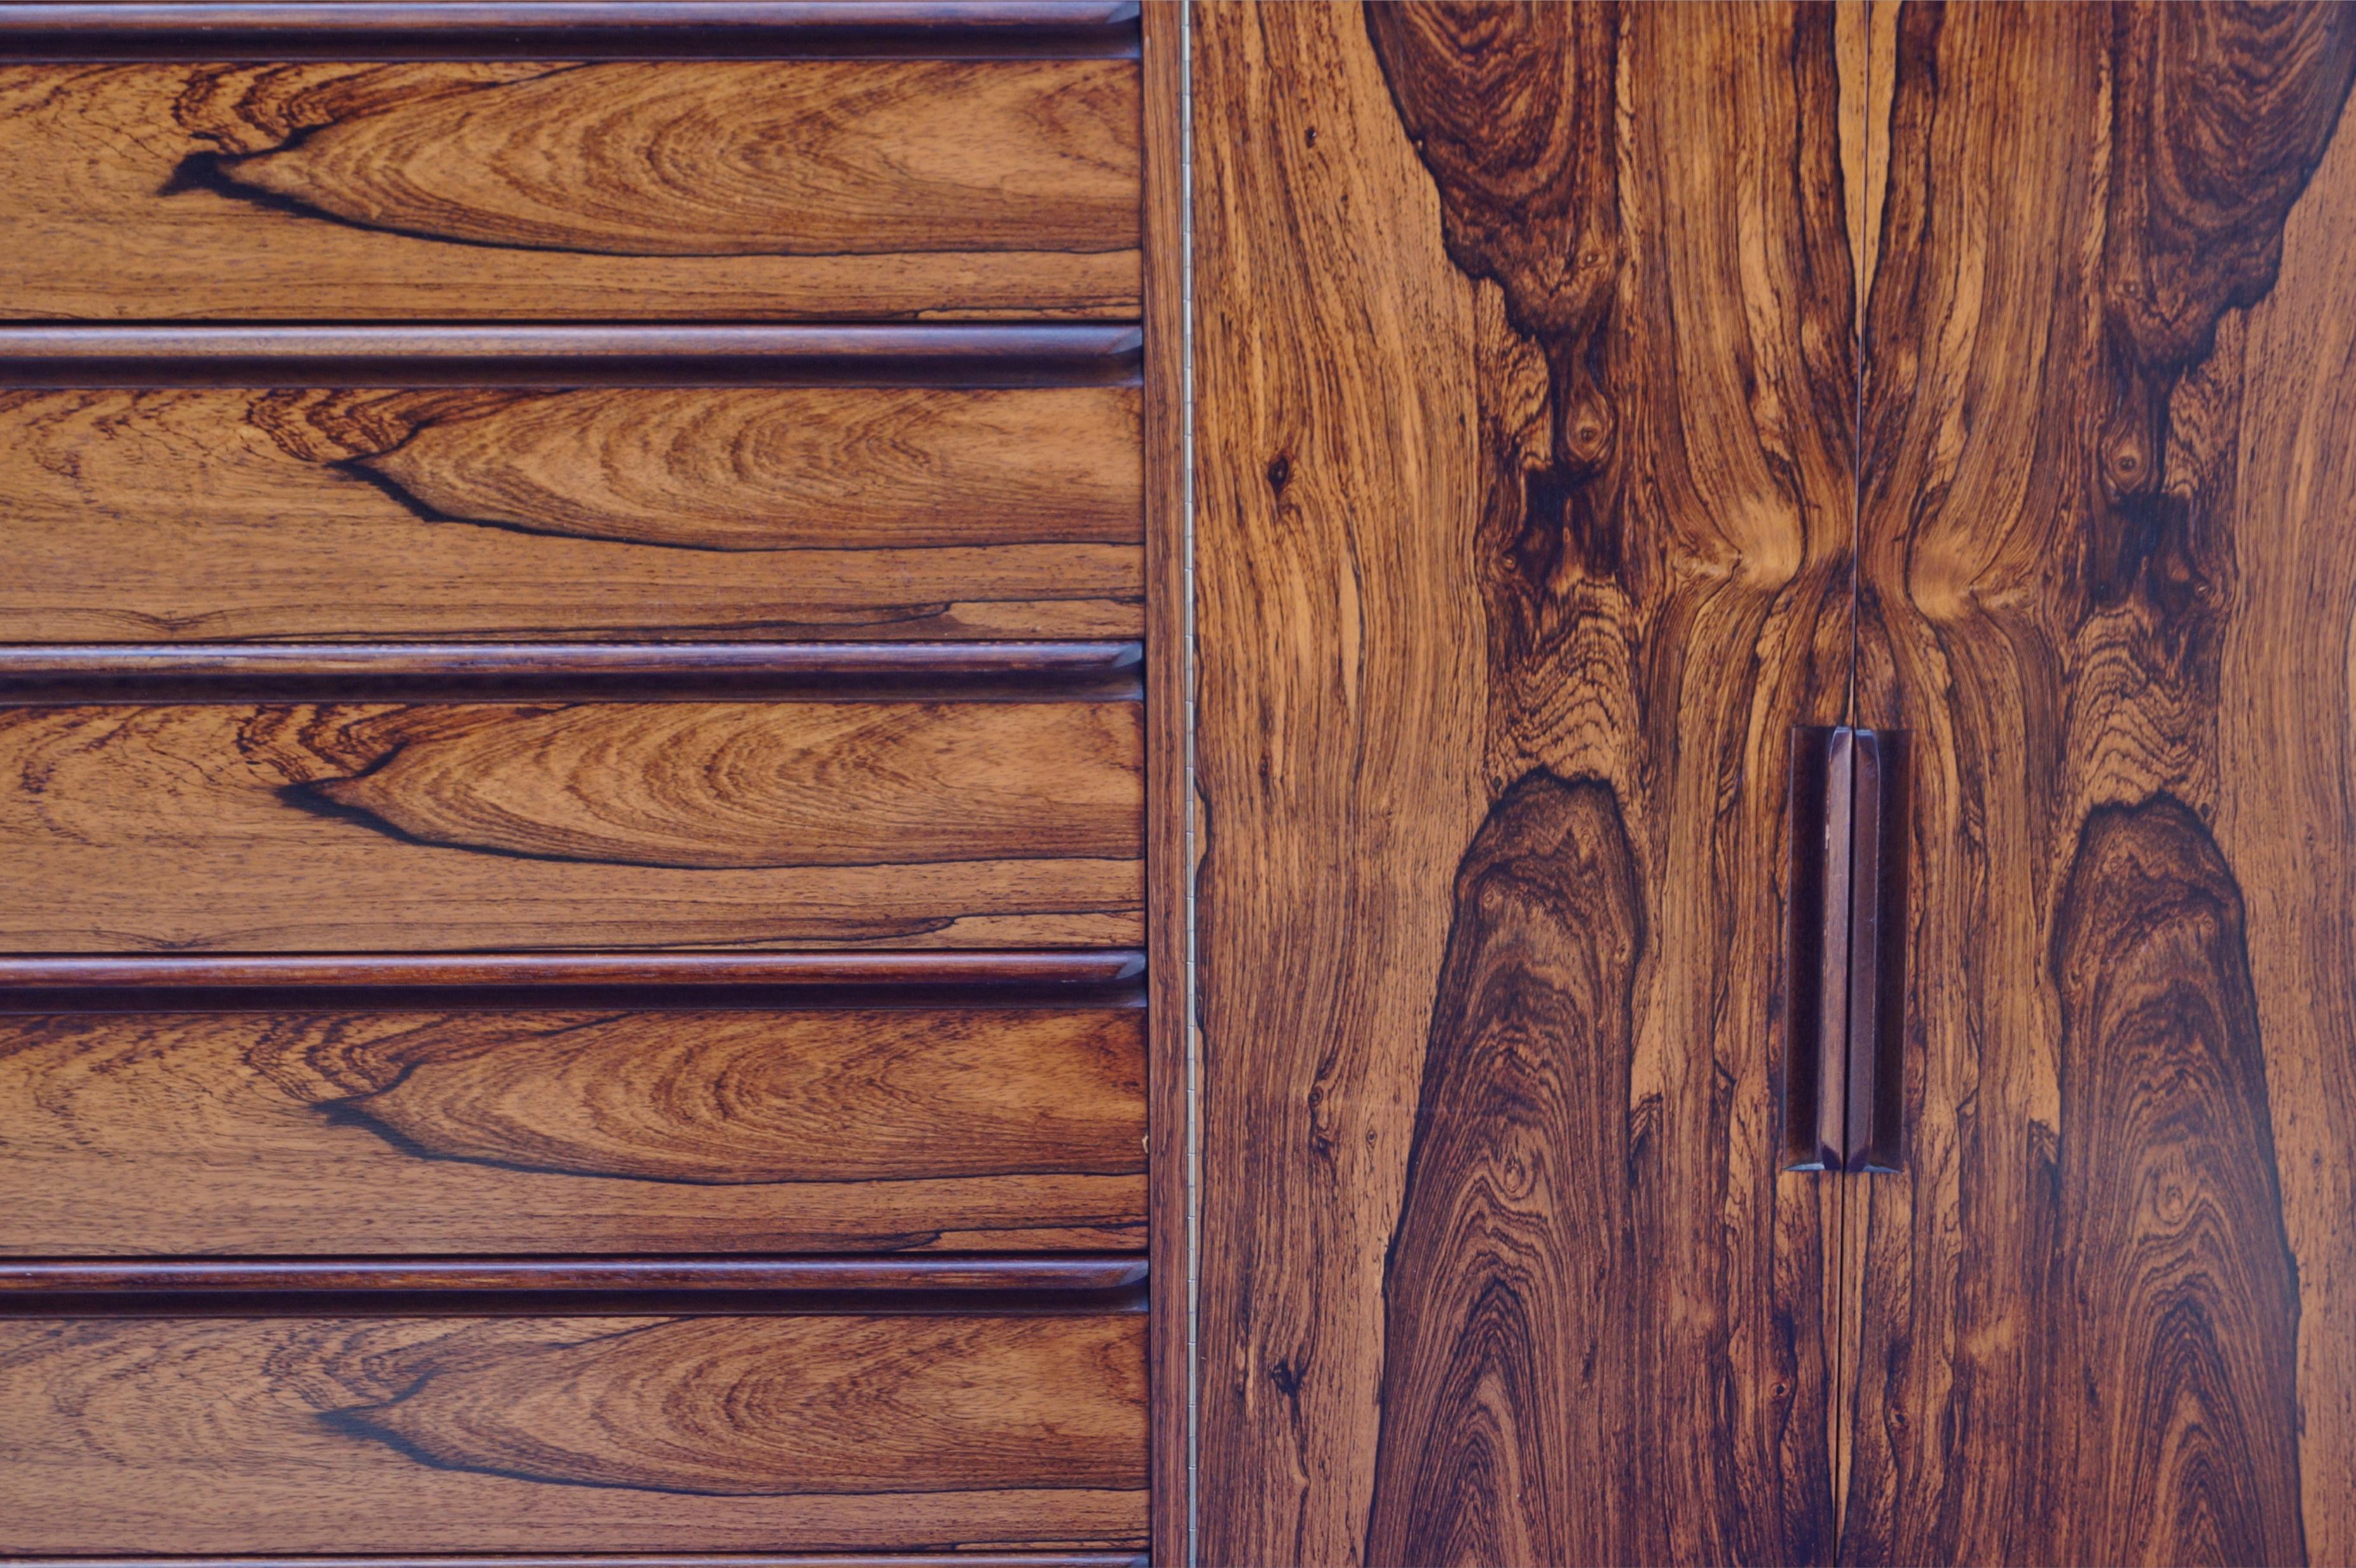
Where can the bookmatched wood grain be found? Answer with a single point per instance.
(814, 513)
(1526, 392)
(2105, 583)
(560, 1131)
(571, 189)
(637, 1434)
(355, 827)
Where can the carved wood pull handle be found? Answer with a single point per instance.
(1843, 1076)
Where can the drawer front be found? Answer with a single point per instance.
(442, 827)
(813, 188)
(629, 1434)
(645, 513)
(567, 1131)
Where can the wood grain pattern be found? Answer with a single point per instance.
(752, 189)
(1487, 1433)
(346, 827)
(1523, 422)
(209, 514)
(585, 1434)
(2106, 1307)
(554, 1132)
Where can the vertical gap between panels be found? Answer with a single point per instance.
(1188, 1028)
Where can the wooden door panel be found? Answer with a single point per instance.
(645, 1433)
(439, 827)
(1526, 393)
(209, 515)
(568, 1131)
(571, 190)
(2105, 584)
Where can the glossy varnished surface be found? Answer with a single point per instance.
(309, 1434)
(355, 827)
(563, 1131)
(836, 512)
(2106, 584)
(629, 29)
(1524, 395)
(546, 188)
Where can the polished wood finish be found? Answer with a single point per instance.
(558, 357)
(812, 513)
(333, 1133)
(635, 1434)
(633, 1560)
(85, 673)
(1523, 417)
(26, 1286)
(576, 29)
(355, 827)
(1169, 787)
(2105, 579)
(32, 977)
(542, 188)
(955, 1559)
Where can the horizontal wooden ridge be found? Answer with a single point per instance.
(637, 1560)
(574, 29)
(437, 671)
(982, 354)
(27, 1280)
(970, 1285)
(531, 971)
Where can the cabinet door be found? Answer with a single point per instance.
(2109, 1307)
(1525, 510)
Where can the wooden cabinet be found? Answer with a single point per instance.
(1607, 394)
(1026, 782)
(589, 729)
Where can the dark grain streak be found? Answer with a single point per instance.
(2172, 1307)
(1503, 1286)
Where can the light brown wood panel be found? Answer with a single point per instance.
(439, 827)
(1526, 390)
(2109, 1307)
(358, 1435)
(213, 515)
(454, 190)
(570, 1131)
